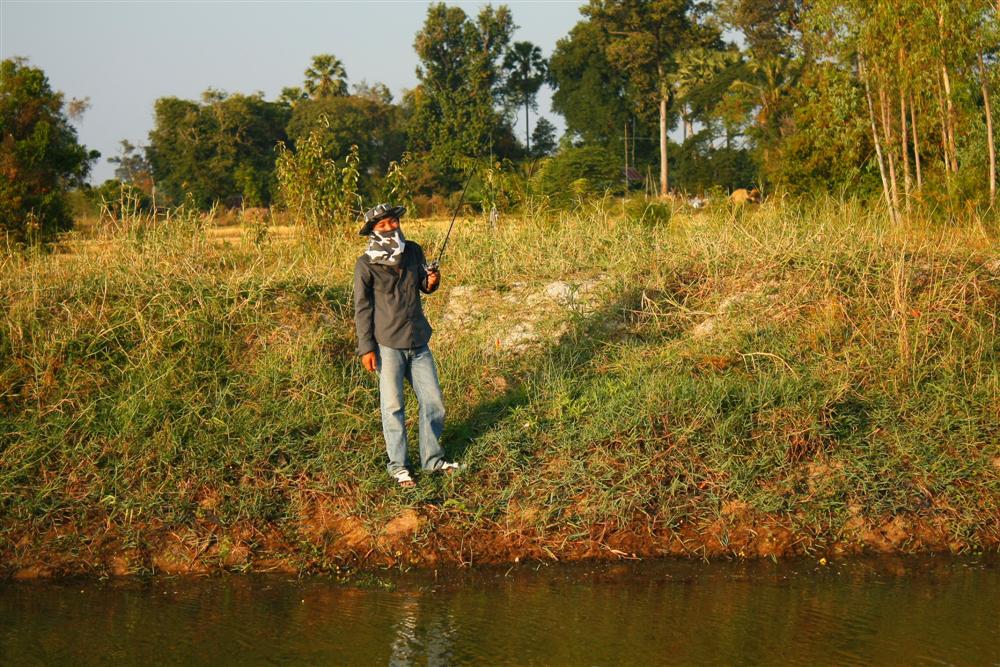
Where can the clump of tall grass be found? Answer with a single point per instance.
(801, 360)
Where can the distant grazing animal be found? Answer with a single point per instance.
(743, 196)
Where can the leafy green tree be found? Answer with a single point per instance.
(40, 156)
(824, 142)
(455, 115)
(376, 92)
(133, 166)
(326, 77)
(526, 72)
(314, 187)
(543, 138)
(645, 37)
(589, 91)
(924, 101)
(696, 70)
(770, 28)
(700, 165)
(371, 124)
(291, 96)
(221, 149)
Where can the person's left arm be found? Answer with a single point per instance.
(429, 280)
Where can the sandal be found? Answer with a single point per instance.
(449, 467)
(403, 479)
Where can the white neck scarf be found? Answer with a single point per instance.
(386, 248)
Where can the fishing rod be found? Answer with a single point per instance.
(436, 264)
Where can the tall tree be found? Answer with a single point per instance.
(589, 92)
(133, 167)
(647, 36)
(455, 113)
(326, 77)
(40, 156)
(526, 70)
(544, 138)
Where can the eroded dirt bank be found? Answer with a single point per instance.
(324, 539)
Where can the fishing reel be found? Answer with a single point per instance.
(433, 267)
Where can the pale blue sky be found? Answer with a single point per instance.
(124, 55)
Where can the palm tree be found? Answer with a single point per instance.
(526, 73)
(695, 68)
(326, 78)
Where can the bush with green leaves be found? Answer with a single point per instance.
(40, 156)
(580, 171)
(314, 188)
(396, 185)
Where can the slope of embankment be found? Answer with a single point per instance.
(785, 380)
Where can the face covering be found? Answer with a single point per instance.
(386, 249)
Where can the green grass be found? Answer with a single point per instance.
(849, 373)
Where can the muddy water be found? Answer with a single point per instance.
(900, 611)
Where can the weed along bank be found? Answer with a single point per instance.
(784, 380)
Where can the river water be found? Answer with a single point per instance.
(898, 611)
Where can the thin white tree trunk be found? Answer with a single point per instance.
(626, 158)
(952, 147)
(916, 143)
(663, 146)
(878, 143)
(989, 127)
(887, 129)
(904, 149)
(950, 115)
(944, 132)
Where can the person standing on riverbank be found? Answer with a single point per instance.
(393, 336)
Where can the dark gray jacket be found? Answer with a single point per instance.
(387, 307)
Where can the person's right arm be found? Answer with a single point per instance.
(364, 313)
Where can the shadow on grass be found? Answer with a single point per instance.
(589, 334)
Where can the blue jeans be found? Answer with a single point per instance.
(417, 366)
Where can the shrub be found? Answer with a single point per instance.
(579, 171)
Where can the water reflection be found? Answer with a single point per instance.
(898, 611)
(424, 633)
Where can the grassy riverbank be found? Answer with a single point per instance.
(796, 378)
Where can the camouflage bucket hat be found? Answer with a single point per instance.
(380, 212)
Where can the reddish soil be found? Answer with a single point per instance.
(326, 538)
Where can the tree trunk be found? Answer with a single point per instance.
(916, 143)
(626, 158)
(878, 144)
(527, 136)
(887, 130)
(663, 146)
(904, 149)
(952, 147)
(989, 127)
(950, 115)
(944, 132)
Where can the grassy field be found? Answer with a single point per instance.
(796, 378)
